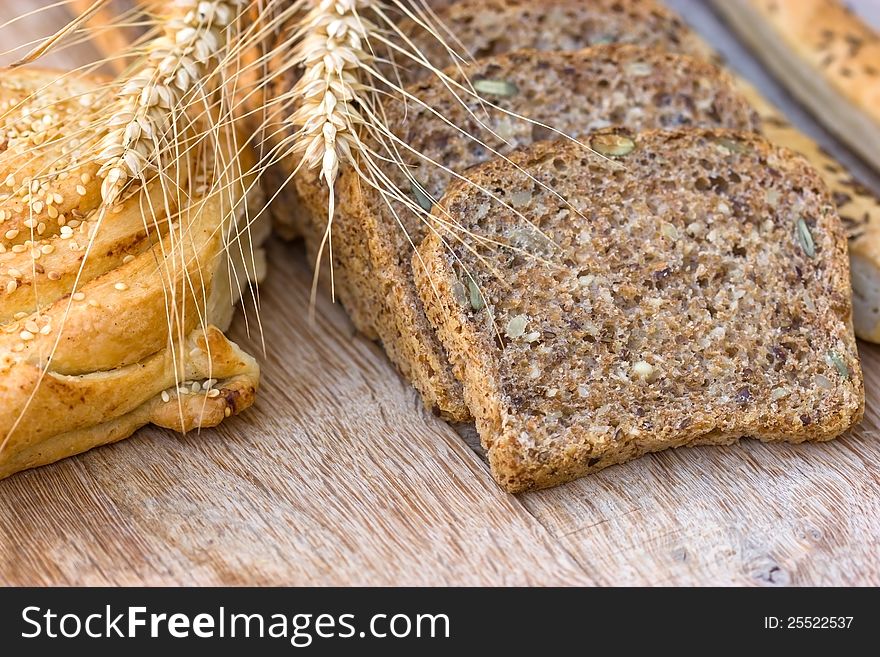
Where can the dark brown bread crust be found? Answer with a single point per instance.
(643, 319)
(574, 92)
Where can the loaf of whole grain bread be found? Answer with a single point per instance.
(691, 287)
(574, 92)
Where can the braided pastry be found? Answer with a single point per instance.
(112, 318)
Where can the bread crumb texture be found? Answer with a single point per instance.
(689, 287)
(488, 28)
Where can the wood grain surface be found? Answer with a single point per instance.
(338, 476)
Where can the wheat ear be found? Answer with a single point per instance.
(181, 62)
(332, 54)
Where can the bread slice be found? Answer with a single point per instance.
(477, 29)
(480, 29)
(693, 287)
(494, 26)
(574, 92)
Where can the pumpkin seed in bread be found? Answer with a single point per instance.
(696, 294)
(573, 92)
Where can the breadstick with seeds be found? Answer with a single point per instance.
(825, 55)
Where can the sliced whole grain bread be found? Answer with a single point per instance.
(575, 92)
(476, 29)
(476, 26)
(483, 28)
(695, 295)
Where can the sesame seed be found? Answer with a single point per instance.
(79, 296)
(165, 396)
(227, 411)
(58, 198)
(214, 392)
(10, 180)
(127, 259)
(32, 326)
(47, 248)
(53, 276)
(37, 207)
(46, 330)
(121, 287)
(11, 286)
(13, 272)
(81, 190)
(66, 232)
(26, 335)
(52, 211)
(12, 234)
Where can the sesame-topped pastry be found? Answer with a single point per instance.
(111, 316)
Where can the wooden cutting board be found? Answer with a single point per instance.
(338, 476)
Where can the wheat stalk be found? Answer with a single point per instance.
(181, 62)
(332, 55)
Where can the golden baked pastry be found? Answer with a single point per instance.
(112, 318)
